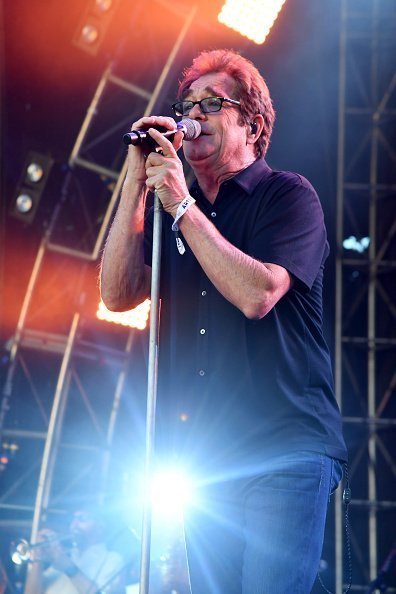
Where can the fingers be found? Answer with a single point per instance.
(154, 123)
(149, 121)
(154, 160)
(165, 145)
(154, 182)
(159, 165)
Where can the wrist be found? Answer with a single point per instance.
(184, 205)
(179, 210)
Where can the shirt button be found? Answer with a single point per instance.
(201, 372)
(213, 214)
(202, 331)
(203, 293)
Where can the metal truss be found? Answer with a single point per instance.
(59, 348)
(365, 356)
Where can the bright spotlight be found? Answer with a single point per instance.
(134, 318)
(251, 18)
(104, 5)
(171, 492)
(89, 33)
(24, 203)
(35, 172)
(356, 245)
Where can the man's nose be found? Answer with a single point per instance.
(196, 113)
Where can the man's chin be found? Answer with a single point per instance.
(197, 155)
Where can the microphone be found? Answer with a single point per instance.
(190, 128)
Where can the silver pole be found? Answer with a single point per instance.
(372, 305)
(54, 427)
(339, 540)
(151, 395)
(154, 340)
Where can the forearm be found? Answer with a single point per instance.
(124, 276)
(250, 285)
(34, 580)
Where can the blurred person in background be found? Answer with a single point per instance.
(86, 567)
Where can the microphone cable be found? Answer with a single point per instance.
(346, 498)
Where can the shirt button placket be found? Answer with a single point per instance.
(202, 331)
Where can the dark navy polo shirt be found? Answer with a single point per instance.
(232, 390)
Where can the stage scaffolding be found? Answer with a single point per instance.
(365, 282)
(73, 353)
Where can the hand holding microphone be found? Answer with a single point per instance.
(191, 129)
(156, 164)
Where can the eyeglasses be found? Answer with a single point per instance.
(207, 105)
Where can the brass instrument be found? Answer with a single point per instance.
(21, 549)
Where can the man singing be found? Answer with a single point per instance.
(245, 394)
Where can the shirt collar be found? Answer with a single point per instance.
(248, 178)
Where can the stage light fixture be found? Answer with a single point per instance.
(31, 185)
(134, 318)
(251, 18)
(93, 25)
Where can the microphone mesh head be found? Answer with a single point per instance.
(192, 128)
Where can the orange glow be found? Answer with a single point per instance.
(251, 18)
(134, 318)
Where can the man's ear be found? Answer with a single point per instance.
(255, 129)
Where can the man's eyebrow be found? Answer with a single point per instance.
(213, 92)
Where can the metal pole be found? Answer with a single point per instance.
(339, 567)
(151, 395)
(371, 304)
(53, 433)
(91, 112)
(154, 338)
(113, 416)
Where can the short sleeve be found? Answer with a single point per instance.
(289, 229)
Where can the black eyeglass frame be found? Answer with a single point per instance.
(222, 100)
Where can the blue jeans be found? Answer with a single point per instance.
(262, 534)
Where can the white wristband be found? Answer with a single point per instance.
(181, 209)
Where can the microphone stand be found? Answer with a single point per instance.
(151, 394)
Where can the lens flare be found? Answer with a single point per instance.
(171, 492)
